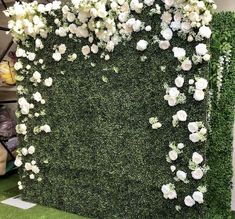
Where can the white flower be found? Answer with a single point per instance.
(168, 191)
(169, 3)
(197, 158)
(156, 125)
(203, 131)
(172, 101)
(201, 49)
(110, 46)
(198, 197)
(149, 2)
(148, 28)
(137, 25)
(86, 50)
(94, 48)
(205, 31)
(207, 57)
(180, 145)
(21, 129)
(197, 173)
(31, 150)
(164, 44)
(185, 27)
(32, 176)
(188, 200)
(18, 162)
(35, 169)
(28, 166)
(201, 84)
(136, 6)
(20, 52)
(62, 48)
(199, 95)
(166, 17)
(45, 128)
(167, 34)
(142, 45)
(193, 127)
(179, 53)
(173, 168)
(174, 92)
(38, 43)
(48, 82)
(37, 77)
(181, 175)
(179, 81)
(31, 56)
(173, 155)
(37, 96)
(56, 56)
(186, 65)
(24, 151)
(71, 17)
(194, 137)
(18, 66)
(182, 115)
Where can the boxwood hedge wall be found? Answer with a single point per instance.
(102, 159)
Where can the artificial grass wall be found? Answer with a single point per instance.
(219, 153)
(103, 159)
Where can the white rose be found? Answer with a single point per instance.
(24, 151)
(110, 46)
(169, 3)
(172, 101)
(21, 129)
(35, 169)
(136, 6)
(198, 197)
(186, 65)
(86, 50)
(73, 28)
(37, 96)
(31, 56)
(38, 43)
(166, 17)
(142, 45)
(194, 137)
(18, 162)
(207, 57)
(164, 44)
(62, 48)
(48, 82)
(165, 189)
(20, 52)
(179, 81)
(137, 25)
(201, 49)
(205, 31)
(56, 56)
(174, 92)
(18, 66)
(180, 146)
(45, 128)
(201, 84)
(203, 131)
(199, 95)
(122, 17)
(193, 127)
(149, 2)
(179, 53)
(172, 195)
(94, 48)
(70, 17)
(167, 34)
(28, 166)
(31, 150)
(185, 27)
(182, 115)
(181, 175)
(173, 155)
(188, 200)
(37, 76)
(197, 158)
(197, 173)
(148, 28)
(156, 125)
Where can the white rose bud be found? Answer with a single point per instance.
(179, 81)
(164, 44)
(173, 155)
(48, 82)
(182, 115)
(31, 150)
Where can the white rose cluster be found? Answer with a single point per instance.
(21, 129)
(196, 197)
(174, 97)
(24, 106)
(155, 123)
(26, 19)
(198, 132)
(168, 191)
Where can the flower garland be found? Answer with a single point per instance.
(105, 24)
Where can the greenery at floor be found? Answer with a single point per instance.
(8, 188)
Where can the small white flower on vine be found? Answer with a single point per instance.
(35, 169)
(31, 149)
(167, 34)
(197, 173)
(197, 158)
(32, 176)
(173, 168)
(179, 53)
(173, 155)
(198, 197)
(21, 129)
(179, 81)
(56, 56)
(24, 151)
(201, 49)
(168, 191)
(18, 65)
(155, 123)
(62, 48)
(86, 50)
(18, 161)
(164, 44)
(48, 82)
(186, 65)
(28, 166)
(37, 96)
(46, 128)
(180, 146)
(181, 175)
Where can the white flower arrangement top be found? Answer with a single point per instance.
(105, 24)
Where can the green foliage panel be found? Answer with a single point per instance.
(219, 153)
(104, 159)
